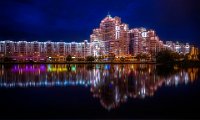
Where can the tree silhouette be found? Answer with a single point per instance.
(90, 58)
(165, 56)
(69, 58)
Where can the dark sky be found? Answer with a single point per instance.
(73, 20)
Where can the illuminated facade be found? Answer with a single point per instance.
(112, 39)
(138, 41)
(193, 54)
(43, 51)
(113, 35)
(144, 41)
(118, 39)
(178, 47)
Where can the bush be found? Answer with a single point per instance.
(165, 56)
(69, 58)
(141, 56)
(8, 59)
(100, 58)
(198, 56)
(122, 59)
(90, 58)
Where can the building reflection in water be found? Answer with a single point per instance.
(111, 83)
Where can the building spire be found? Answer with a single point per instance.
(109, 15)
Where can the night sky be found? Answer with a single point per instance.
(73, 20)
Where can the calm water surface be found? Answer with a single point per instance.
(98, 91)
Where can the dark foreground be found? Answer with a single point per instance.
(100, 91)
(78, 103)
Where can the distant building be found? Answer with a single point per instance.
(193, 54)
(180, 48)
(112, 39)
(48, 51)
(113, 35)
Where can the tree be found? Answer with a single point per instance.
(111, 56)
(138, 56)
(175, 56)
(141, 56)
(81, 59)
(144, 56)
(165, 56)
(8, 59)
(90, 58)
(186, 57)
(122, 59)
(182, 57)
(69, 58)
(198, 56)
(100, 58)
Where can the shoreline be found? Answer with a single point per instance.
(178, 64)
(79, 62)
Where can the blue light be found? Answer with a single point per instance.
(110, 85)
(107, 67)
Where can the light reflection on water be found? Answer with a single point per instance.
(113, 84)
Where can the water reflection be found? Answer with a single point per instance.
(111, 83)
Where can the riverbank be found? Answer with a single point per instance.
(84, 62)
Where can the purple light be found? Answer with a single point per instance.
(42, 67)
(29, 68)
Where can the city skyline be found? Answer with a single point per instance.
(99, 59)
(112, 39)
(30, 21)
